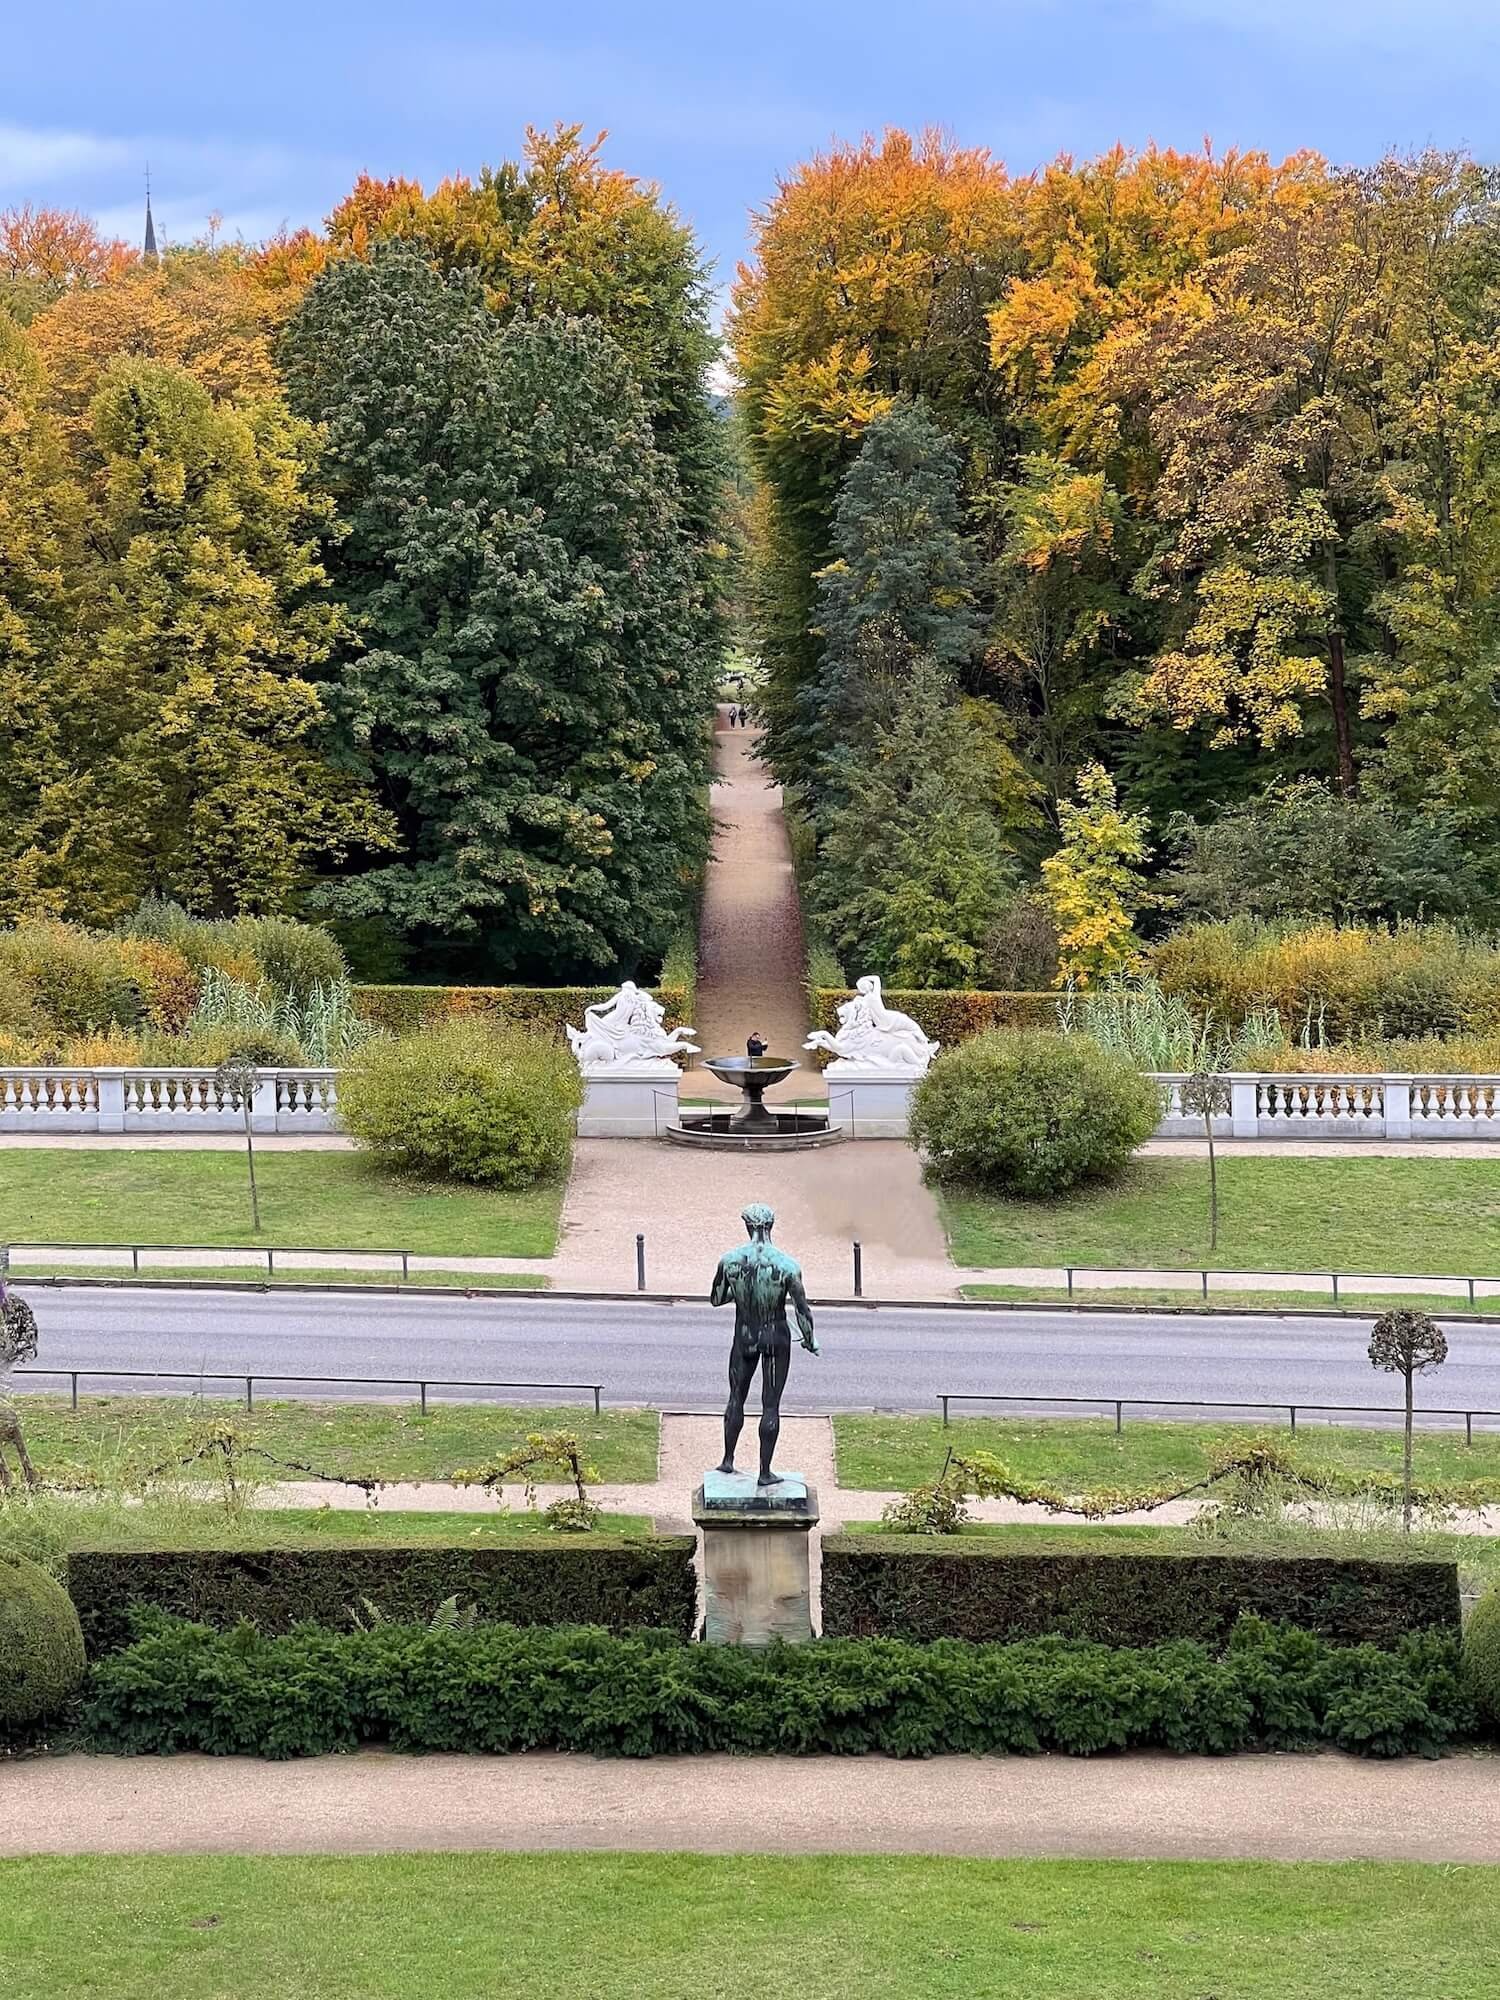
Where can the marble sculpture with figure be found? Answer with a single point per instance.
(872, 1036)
(627, 1029)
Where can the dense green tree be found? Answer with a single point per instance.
(191, 731)
(902, 570)
(527, 693)
(913, 868)
(1306, 850)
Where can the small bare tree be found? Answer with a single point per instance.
(236, 1081)
(1407, 1343)
(1206, 1095)
(17, 1344)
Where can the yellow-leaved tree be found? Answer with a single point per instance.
(1093, 883)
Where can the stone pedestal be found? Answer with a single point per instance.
(629, 1100)
(869, 1103)
(755, 1558)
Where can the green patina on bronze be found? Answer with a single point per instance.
(760, 1282)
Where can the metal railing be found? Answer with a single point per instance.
(1120, 1404)
(227, 1251)
(1420, 1281)
(422, 1384)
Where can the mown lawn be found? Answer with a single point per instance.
(284, 1276)
(1083, 1455)
(368, 1440)
(313, 1201)
(1221, 1300)
(674, 1927)
(1391, 1217)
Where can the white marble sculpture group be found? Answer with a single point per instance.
(627, 1029)
(872, 1037)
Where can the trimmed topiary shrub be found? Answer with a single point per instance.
(1031, 1113)
(478, 1101)
(41, 1646)
(493, 1688)
(619, 1582)
(882, 1586)
(1481, 1668)
(398, 1009)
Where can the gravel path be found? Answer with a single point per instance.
(1141, 1806)
(750, 955)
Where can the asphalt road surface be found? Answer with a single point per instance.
(673, 1357)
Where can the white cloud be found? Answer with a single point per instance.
(30, 157)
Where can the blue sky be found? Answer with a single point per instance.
(264, 113)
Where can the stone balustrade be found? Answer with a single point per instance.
(1388, 1106)
(163, 1100)
(306, 1100)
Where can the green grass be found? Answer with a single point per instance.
(182, 1526)
(1397, 1217)
(370, 1440)
(674, 1927)
(1083, 1455)
(283, 1276)
(337, 1201)
(1220, 1300)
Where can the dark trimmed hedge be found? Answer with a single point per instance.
(921, 1588)
(400, 1008)
(619, 1582)
(494, 1688)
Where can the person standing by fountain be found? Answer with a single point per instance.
(755, 1045)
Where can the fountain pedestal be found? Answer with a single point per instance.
(757, 1575)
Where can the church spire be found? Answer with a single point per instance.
(148, 248)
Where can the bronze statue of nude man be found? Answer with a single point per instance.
(760, 1282)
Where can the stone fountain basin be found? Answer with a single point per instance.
(742, 1070)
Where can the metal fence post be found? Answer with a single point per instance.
(270, 1262)
(597, 1387)
(1205, 1288)
(859, 1276)
(1119, 1416)
(1471, 1295)
(422, 1396)
(135, 1259)
(1468, 1426)
(944, 1401)
(249, 1392)
(405, 1265)
(1069, 1269)
(74, 1373)
(1335, 1277)
(1292, 1412)
(640, 1263)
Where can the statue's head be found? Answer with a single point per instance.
(869, 984)
(629, 989)
(758, 1219)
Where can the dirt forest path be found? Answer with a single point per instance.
(750, 952)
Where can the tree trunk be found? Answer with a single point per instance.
(1338, 694)
(250, 1161)
(1213, 1185)
(1406, 1464)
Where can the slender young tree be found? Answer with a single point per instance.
(1407, 1344)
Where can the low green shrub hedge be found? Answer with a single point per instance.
(499, 1688)
(1482, 1657)
(398, 1009)
(41, 1646)
(480, 1100)
(618, 1582)
(1031, 1113)
(887, 1586)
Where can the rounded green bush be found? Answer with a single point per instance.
(470, 1100)
(1482, 1658)
(1029, 1113)
(41, 1645)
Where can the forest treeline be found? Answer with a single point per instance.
(1145, 509)
(374, 572)
(1118, 542)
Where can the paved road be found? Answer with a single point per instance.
(673, 1356)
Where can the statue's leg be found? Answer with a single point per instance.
(773, 1374)
(741, 1375)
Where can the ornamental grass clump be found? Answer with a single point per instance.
(471, 1100)
(1031, 1113)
